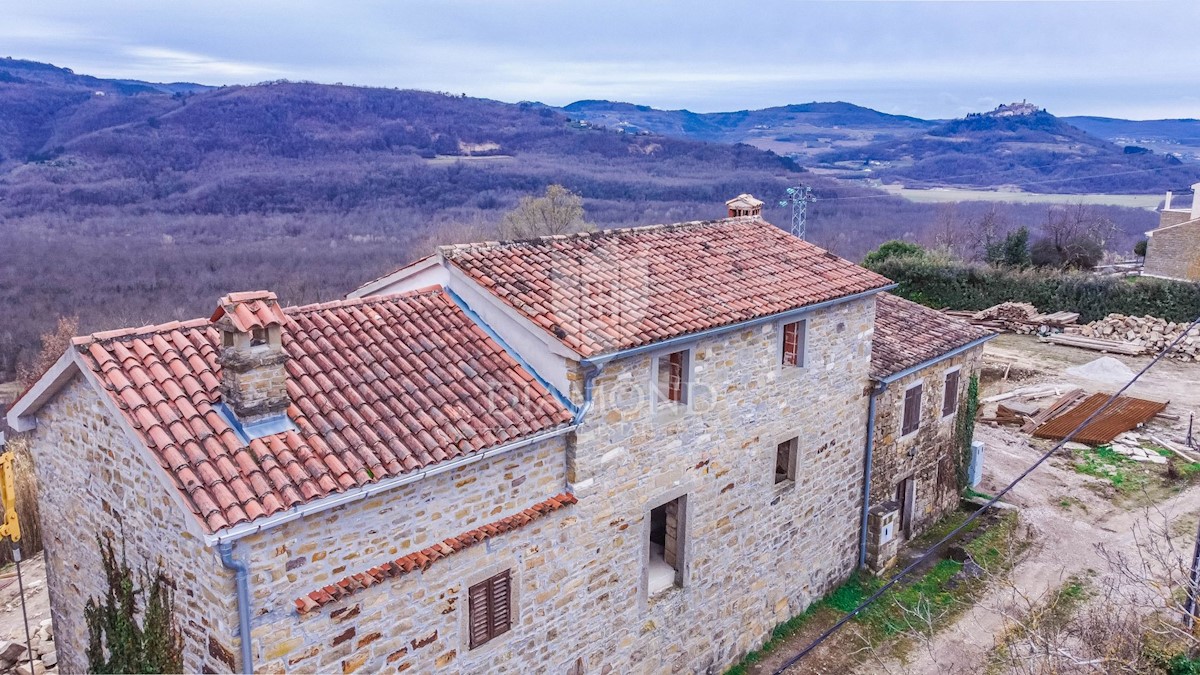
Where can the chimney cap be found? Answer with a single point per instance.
(744, 201)
(249, 310)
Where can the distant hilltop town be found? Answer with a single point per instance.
(1021, 109)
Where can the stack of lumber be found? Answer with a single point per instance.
(1146, 334)
(1021, 406)
(1105, 346)
(1017, 317)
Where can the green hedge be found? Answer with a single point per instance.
(948, 284)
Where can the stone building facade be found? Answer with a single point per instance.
(1173, 248)
(917, 397)
(96, 482)
(653, 485)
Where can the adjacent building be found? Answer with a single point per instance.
(1173, 248)
(633, 450)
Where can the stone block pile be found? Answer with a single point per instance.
(1151, 333)
(14, 656)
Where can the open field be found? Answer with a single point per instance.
(942, 195)
(443, 160)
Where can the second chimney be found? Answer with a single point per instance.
(253, 371)
(744, 205)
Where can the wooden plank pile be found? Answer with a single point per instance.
(1105, 346)
(1016, 317)
(1140, 335)
(1021, 407)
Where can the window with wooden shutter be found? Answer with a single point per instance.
(793, 343)
(912, 410)
(490, 608)
(950, 399)
(673, 377)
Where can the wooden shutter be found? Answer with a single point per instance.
(671, 537)
(490, 608)
(675, 377)
(912, 410)
(950, 401)
(500, 588)
(479, 619)
(791, 344)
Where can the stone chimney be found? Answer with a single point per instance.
(1195, 201)
(253, 374)
(744, 205)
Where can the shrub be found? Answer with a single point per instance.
(893, 249)
(949, 284)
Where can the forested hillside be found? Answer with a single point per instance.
(128, 203)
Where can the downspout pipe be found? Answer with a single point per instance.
(242, 579)
(870, 452)
(590, 373)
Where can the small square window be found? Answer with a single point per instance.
(794, 338)
(258, 336)
(950, 398)
(672, 377)
(489, 608)
(785, 461)
(912, 410)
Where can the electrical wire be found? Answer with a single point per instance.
(991, 502)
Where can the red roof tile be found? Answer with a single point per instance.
(908, 334)
(379, 387)
(615, 289)
(424, 558)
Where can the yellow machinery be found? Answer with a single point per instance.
(11, 527)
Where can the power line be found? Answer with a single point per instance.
(991, 502)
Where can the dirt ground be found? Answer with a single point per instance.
(1065, 536)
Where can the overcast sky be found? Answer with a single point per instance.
(1121, 58)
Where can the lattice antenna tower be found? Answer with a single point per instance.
(798, 197)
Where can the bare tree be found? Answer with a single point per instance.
(559, 211)
(54, 344)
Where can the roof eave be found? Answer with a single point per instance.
(392, 277)
(686, 338)
(245, 529)
(22, 415)
(900, 374)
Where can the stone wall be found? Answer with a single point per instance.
(930, 454)
(1175, 253)
(415, 621)
(755, 553)
(93, 481)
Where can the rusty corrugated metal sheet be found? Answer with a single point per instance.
(1124, 414)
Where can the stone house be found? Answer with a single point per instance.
(921, 363)
(1173, 248)
(633, 450)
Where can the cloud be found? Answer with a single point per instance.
(161, 63)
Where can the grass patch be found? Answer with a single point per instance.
(1103, 462)
(922, 602)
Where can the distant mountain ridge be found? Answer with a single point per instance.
(24, 71)
(1018, 145)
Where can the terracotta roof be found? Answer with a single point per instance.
(615, 289)
(907, 334)
(379, 387)
(421, 560)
